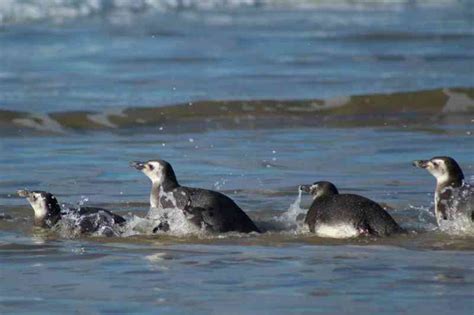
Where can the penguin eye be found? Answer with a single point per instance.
(435, 164)
(151, 167)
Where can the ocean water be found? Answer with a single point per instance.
(250, 98)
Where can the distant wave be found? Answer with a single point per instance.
(21, 11)
(418, 107)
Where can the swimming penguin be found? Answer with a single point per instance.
(211, 210)
(346, 215)
(452, 194)
(86, 219)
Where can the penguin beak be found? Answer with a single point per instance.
(421, 163)
(138, 165)
(305, 188)
(23, 193)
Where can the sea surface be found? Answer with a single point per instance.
(250, 98)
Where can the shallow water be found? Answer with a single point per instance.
(80, 98)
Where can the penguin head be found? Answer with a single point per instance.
(445, 169)
(44, 204)
(158, 171)
(318, 189)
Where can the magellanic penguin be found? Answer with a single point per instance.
(346, 215)
(206, 209)
(452, 194)
(86, 220)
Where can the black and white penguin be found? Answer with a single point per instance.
(452, 194)
(346, 215)
(205, 209)
(86, 220)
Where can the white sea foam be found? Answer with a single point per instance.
(41, 122)
(457, 102)
(20, 11)
(103, 118)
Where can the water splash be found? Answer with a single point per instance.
(74, 224)
(169, 220)
(459, 225)
(291, 220)
(82, 202)
(138, 226)
(174, 222)
(294, 210)
(461, 208)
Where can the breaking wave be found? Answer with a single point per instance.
(22, 11)
(375, 109)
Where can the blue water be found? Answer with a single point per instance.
(73, 85)
(153, 59)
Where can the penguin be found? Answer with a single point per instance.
(209, 210)
(346, 215)
(452, 194)
(87, 220)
